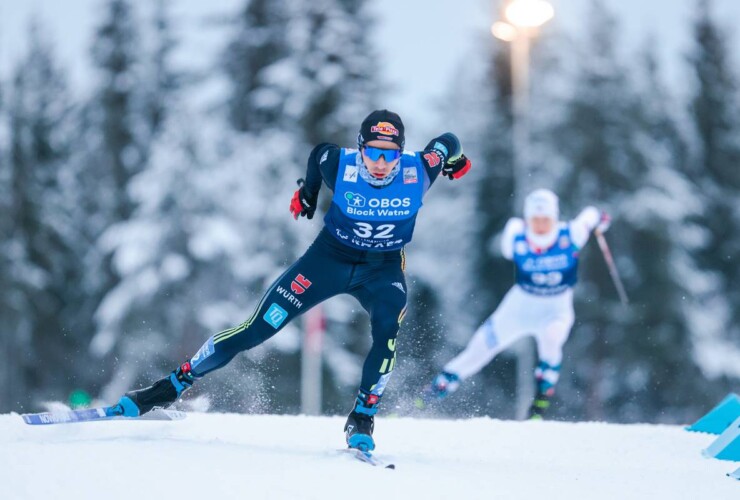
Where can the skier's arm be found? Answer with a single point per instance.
(513, 227)
(323, 163)
(582, 226)
(444, 154)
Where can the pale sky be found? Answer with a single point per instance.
(423, 42)
(439, 33)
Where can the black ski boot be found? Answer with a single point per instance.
(544, 388)
(161, 394)
(360, 422)
(539, 407)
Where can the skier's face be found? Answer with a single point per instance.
(379, 168)
(541, 225)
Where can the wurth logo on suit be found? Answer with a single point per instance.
(298, 286)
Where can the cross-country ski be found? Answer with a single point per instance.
(96, 414)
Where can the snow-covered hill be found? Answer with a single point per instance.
(229, 456)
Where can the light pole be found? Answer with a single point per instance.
(522, 21)
(311, 365)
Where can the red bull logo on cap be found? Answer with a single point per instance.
(385, 128)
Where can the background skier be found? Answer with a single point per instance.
(545, 253)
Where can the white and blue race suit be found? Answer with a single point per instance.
(539, 304)
(370, 218)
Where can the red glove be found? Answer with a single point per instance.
(301, 204)
(455, 170)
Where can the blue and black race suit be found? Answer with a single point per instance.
(368, 218)
(359, 252)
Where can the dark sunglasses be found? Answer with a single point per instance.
(375, 153)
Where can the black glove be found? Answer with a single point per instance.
(457, 168)
(302, 204)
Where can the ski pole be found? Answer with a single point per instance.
(612, 267)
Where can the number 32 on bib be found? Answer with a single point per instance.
(382, 231)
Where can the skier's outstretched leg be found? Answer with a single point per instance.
(499, 331)
(481, 349)
(312, 279)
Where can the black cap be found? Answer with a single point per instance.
(382, 125)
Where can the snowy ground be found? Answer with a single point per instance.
(225, 456)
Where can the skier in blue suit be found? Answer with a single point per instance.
(378, 191)
(545, 252)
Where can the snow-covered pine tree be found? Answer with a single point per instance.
(625, 156)
(111, 151)
(164, 81)
(595, 140)
(335, 84)
(142, 318)
(115, 57)
(663, 206)
(258, 41)
(715, 117)
(8, 312)
(43, 266)
(124, 119)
